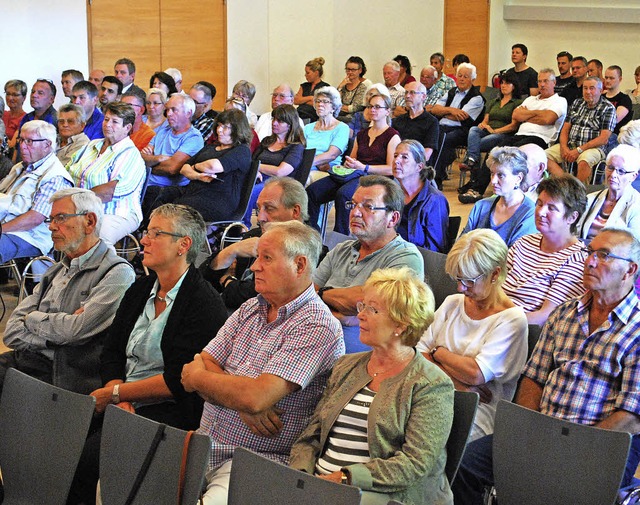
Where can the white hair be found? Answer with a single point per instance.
(470, 67)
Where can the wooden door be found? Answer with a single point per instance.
(157, 34)
(466, 30)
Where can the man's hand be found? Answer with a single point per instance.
(458, 115)
(128, 406)
(333, 477)
(103, 398)
(148, 150)
(265, 424)
(247, 248)
(345, 320)
(190, 372)
(572, 156)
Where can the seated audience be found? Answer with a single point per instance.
(545, 268)
(110, 91)
(425, 216)
(216, 173)
(141, 134)
(328, 136)
(564, 79)
(372, 153)
(125, 70)
(304, 97)
(536, 169)
(479, 337)
(156, 100)
(634, 93)
(202, 119)
(497, 126)
(362, 119)
(114, 170)
(508, 212)
(618, 205)
(43, 94)
(283, 94)
(383, 421)
(280, 154)
(270, 360)
(391, 75)
(374, 213)
(176, 75)
(15, 92)
(352, 88)
(162, 321)
(85, 94)
(281, 199)
(163, 81)
(246, 91)
(444, 82)
(70, 78)
(25, 193)
(74, 303)
(583, 368)
(429, 79)
(405, 70)
(594, 69)
(71, 137)
(573, 90)
(96, 76)
(620, 100)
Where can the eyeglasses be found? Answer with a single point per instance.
(368, 207)
(412, 93)
(602, 255)
(347, 69)
(240, 95)
(361, 307)
(68, 121)
(376, 107)
(62, 218)
(29, 142)
(467, 283)
(154, 232)
(618, 171)
(322, 101)
(15, 95)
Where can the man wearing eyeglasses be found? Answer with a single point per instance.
(64, 320)
(141, 134)
(202, 120)
(281, 95)
(25, 193)
(374, 213)
(586, 365)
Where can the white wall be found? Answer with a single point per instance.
(40, 39)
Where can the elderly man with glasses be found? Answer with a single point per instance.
(281, 94)
(374, 212)
(25, 193)
(65, 318)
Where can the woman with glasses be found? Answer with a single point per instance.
(352, 88)
(217, 172)
(508, 212)
(155, 118)
(617, 205)
(372, 153)
(304, 97)
(383, 421)
(328, 136)
(71, 137)
(479, 337)
(545, 268)
(162, 321)
(15, 92)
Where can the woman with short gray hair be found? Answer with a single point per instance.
(509, 212)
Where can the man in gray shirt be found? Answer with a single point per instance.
(375, 211)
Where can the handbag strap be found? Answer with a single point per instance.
(183, 464)
(146, 464)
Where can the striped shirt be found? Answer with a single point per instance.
(121, 162)
(348, 439)
(535, 276)
(587, 377)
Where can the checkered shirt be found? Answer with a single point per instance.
(587, 123)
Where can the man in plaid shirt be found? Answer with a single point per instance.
(586, 365)
(586, 131)
(264, 372)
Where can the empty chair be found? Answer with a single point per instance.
(465, 404)
(126, 442)
(255, 479)
(540, 460)
(43, 431)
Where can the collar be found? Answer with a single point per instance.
(28, 168)
(623, 311)
(80, 261)
(173, 292)
(290, 308)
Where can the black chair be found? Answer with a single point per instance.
(128, 440)
(532, 339)
(540, 460)
(435, 276)
(43, 432)
(452, 230)
(465, 404)
(302, 174)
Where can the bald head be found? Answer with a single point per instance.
(536, 163)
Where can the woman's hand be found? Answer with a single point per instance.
(210, 167)
(353, 163)
(190, 371)
(128, 406)
(333, 477)
(344, 82)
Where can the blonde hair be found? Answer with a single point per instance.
(316, 65)
(409, 301)
(478, 252)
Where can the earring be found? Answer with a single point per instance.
(179, 254)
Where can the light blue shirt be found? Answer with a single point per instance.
(473, 107)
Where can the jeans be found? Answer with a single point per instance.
(481, 141)
(325, 190)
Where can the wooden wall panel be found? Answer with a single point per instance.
(466, 30)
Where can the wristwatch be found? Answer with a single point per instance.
(322, 290)
(579, 149)
(345, 479)
(115, 394)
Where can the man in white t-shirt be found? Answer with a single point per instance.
(281, 95)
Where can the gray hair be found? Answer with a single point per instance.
(393, 64)
(478, 252)
(630, 134)
(595, 79)
(188, 105)
(378, 87)
(470, 67)
(285, 86)
(85, 201)
(431, 67)
(417, 153)
(42, 129)
(75, 109)
(332, 94)
(293, 193)
(513, 158)
(205, 89)
(21, 86)
(175, 73)
(298, 239)
(186, 222)
(627, 237)
(245, 87)
(630, 155)
(550, 71)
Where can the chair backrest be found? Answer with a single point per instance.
(465, 404)
(532, 338)
(255, 479)
(435, 276)
(440, 148)
(245, 195)
(538, 459)
(126, 439)
(302, 174)
(453, 228)
(145, 185)
(636, 110)
(333, 238)
(43, 432)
